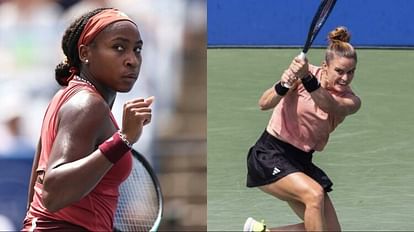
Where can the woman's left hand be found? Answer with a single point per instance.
(299, 67)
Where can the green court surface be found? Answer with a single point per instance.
(370, 156)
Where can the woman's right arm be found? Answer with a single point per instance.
(75, 166)
(270, 98)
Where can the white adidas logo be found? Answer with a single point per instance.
(275, 171)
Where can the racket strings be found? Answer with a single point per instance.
(319, 19)
(324, 14)
(138, 202)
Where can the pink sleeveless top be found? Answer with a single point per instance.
(300, 122)
(95, 211)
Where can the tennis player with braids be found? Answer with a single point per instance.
(83, 156)
(280, 163)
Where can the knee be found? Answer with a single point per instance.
(314, 197)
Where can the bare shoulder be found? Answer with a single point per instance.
(83, 122)
(85, 103)
(351, 95)
(350, 102)
(83, 113)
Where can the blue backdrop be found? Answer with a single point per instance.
(286, 22)
(14, 183)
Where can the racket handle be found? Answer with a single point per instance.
(302, 55)
(286, 85)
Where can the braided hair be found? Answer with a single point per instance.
(70, 47)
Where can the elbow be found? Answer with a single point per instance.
(353, 108)
(263, 106)
(54, 197)
(55, 201)
(50, 201)
(357, 106)
(50, 197)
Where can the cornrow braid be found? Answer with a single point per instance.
(70, 47)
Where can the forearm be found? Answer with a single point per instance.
(325, 101)
(270, 99)
(70, 182)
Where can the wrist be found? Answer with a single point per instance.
(310, 83)
(280, 89)
(124, 139)
(307, 77)
(114, 148)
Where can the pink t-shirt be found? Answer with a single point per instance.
(299, 121)
(95, 211)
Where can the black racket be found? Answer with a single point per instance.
(140, 202)
(324, 9)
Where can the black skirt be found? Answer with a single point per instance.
(271, 159)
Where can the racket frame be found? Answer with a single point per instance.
(137, 155)
(154, 178)
(324, 10)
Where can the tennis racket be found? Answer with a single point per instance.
(324, 9)
(140, 202)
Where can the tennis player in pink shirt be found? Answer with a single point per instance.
(280, 163)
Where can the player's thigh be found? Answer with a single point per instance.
(296, 186)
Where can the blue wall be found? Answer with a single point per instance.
(14, 182)
(286, 22)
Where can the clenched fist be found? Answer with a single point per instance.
(136, 114)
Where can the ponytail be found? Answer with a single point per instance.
(62, 73)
